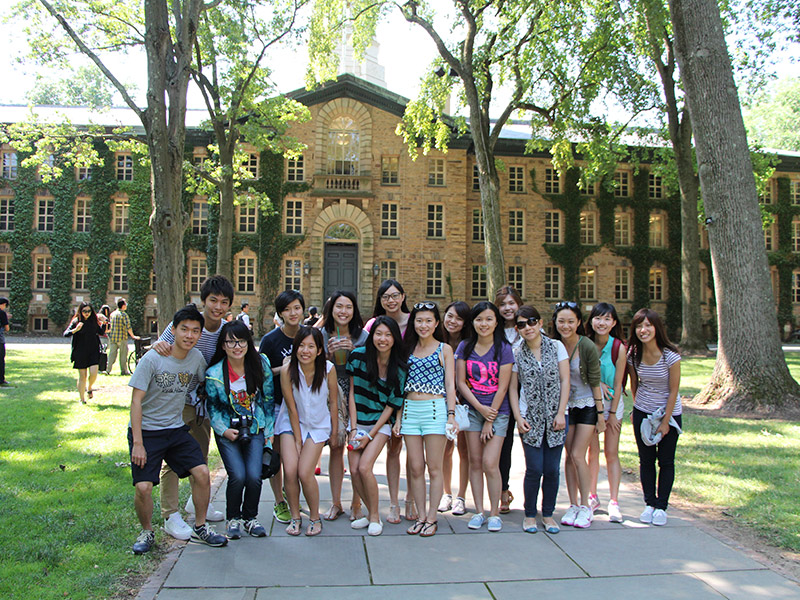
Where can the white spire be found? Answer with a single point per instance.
(369, 68)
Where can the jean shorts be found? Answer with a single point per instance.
(476, 421)
(424, 417)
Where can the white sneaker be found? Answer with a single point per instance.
(361, 523)
(594, 502)
(583, 519)
(459, 506)
(375, 528)
(569, 516)
(177, 527)
(659, 517)
(212, 514)
(446, 503)
(614, 514)
(647, 515)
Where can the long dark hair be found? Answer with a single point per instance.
(499, 334)
(379, 310)
(412, 337)
(253, 366)
(573, 306)
(598, 310)
(319, 363)
(397, 356)
(79, 312)
(355, 325)
(662, 339)
(462, 309)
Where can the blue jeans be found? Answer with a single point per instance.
(543, 465)
(243, 463)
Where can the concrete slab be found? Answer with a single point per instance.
(204, 593)
(447, 558)
(751, 585)
(445, 591)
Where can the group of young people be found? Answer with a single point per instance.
(399, 380)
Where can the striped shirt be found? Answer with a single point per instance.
(370, 398)
(120, 324)
(652, 392)
(207, 343)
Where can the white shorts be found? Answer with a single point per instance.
(620, 409)
(385, 429)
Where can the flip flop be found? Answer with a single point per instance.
(416, 527)
(429, 529)
(333, 513)
(90, 394)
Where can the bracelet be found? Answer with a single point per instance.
(451, 412)
(369, 436)
(600, 400)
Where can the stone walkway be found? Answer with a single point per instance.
(609, 560)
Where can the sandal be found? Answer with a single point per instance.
(355, 513)
(416, 527)
(429, 529)
(394, 514)
(314, 527)
(294, 526)
(506, 498)
(411, 511)
(334, 512)
(90, 393)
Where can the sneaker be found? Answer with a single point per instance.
(254, 528)
(281, 512)
(361, 523)
(614, 514)
(583, 519)
(647, 515)
(203, 534)
(495, 524)
(459, 507)
(144, 542)
(446, 503)
(212, 514)
(594, 502)
(234, 530)
(659, 517)
(177, 527)
(375, 528)
(477, 521)
(569, 516)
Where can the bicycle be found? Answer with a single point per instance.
(140, 346)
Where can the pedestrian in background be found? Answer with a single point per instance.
(85, 329)
(118, 337)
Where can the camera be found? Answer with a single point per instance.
(242, 424)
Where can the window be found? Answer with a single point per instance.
(343, 147)
(655, 190)
(294, 217)
(119, 273)
(198, 273)
(516, 180)
(769, 239)
(516, 226)
(552, 183)
(587, 283)
(124, 166)
(389, 219)
(435, 220)
(42, 267)
(199, 216)
(433, 281)
(6, 214)
(795, 235)
(80, 272)
(390, 170)
(796, 286)
(552, 282)
(622, 284)
(588, 228)
(623, 187)
(794, 192)
(479, 281)
(47, 166)
(552, 227)
(40, 324)
(121, 220)
(152, 281)
(45, 221)
(5, 271)
(251, 163)
(765, 197)
(436, 171)
(516, 277)
(83, 173)
(477, 225)
(247, 216)
(296, 169)
(476, 179)
(587, 189)
(83, 214)
(656, 284)
(388, 269)
(622, 229)
(9, 165)
(246, 275)
(656, 234)
(291, 274)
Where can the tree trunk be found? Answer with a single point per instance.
(750, 371)
(492, 232)
(226, 212)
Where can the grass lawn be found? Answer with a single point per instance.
(66, 499)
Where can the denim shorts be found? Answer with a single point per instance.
(476, 421)
(424, 417)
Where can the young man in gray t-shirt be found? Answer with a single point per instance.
(158, 434)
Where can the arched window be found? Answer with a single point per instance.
(343, 147)
(341, 231)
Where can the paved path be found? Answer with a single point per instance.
(608, 561)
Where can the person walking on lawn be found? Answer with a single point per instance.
(118, 337)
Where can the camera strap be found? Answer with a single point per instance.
(227, 381)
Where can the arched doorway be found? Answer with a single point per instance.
(341, 259)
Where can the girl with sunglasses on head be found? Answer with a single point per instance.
(604, 329)
(239, 389)
(541, 367)
(85, 329)
(307, 419)
(483, 372)
(429, 408)
(585, 404)
(655, 369)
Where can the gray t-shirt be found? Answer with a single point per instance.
(166, 382)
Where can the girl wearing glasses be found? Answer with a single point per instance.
(85, 329)
(483, 372)
(428, 409)
(542, 370)
(239, 386)
(308, 418)
(585, 404)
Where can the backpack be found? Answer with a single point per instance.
(615, 355)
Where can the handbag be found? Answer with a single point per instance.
(102, 365)
(462, 416)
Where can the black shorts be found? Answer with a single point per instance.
(583, 416)
(174, 446)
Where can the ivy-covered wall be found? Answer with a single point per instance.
(784, 259)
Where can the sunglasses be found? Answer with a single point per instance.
(529, 322)
(563, 305)
(424, 306)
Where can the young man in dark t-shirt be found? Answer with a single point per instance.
(3, 328)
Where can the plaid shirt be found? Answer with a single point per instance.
(120, 324)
